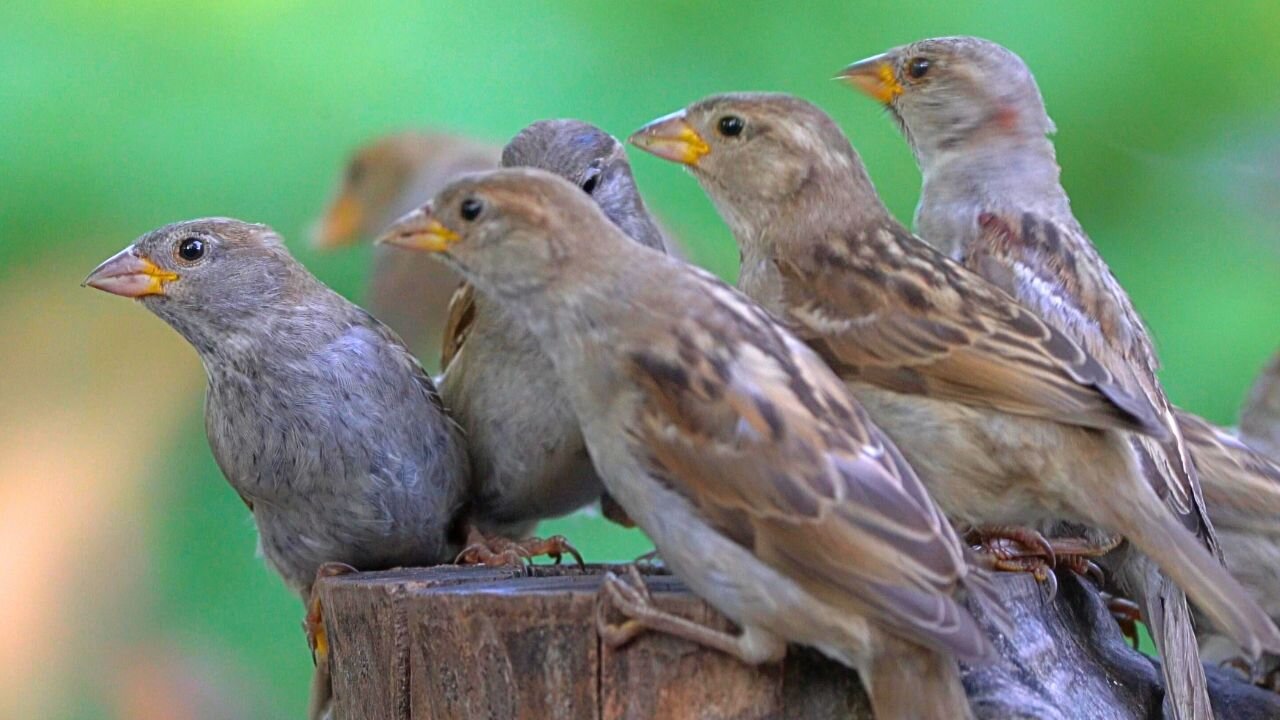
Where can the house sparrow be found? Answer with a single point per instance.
(321, 420)
(383, 180)
(991, 199)
(1007, 420)
(528, 457)
(1260, 419)
(757, 476)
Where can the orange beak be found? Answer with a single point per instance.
(420, 230)
(129, 274)
(671, 138)
(340, 225)
(874, 77)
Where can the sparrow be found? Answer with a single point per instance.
(528, 457)
(991, 199)
(1006, 418)
(318, 416)
(382, 180)
(759, 478)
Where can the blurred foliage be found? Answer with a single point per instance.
(118, 117)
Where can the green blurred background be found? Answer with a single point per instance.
(134, 590)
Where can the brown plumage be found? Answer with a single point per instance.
(760, 480)
(1007, 419)
(992, 199)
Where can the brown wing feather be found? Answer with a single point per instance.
(1053, 268)
(775, 453)
(1236, 478)
(904, 318)
(462, 313)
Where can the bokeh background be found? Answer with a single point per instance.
(130, 587)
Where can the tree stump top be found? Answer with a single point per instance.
(462, 642)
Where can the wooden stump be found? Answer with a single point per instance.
(451, 643)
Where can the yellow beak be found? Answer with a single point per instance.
(671, 138)
(419, 230)
(129, 274)
(340, 225)
(874, 77)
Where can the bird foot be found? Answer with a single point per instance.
(629, 596)
(497, 551)
(313, 623)
(1126, 614)
(1020, 549)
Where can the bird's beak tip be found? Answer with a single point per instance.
(673, 138)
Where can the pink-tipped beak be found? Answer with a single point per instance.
(129, 274)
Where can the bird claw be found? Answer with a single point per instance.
(313, 623)
(1126, 614)
(631, 598)
(1008, 542)
(496, 551)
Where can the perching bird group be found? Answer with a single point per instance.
(838, 453)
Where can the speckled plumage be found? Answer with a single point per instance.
(317, 414)
(991, 198)
(760, 480)
(1007, 419)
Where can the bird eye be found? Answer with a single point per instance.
(731, 125)
(917, 67)
(471, 208)
(191, 249)
(592, 181)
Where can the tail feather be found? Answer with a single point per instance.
(1184, 559)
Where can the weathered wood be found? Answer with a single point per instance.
(449, 642)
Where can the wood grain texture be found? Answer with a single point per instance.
(452, 643)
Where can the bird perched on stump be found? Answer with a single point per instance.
(761, 481)
(1007, 420)
(991, 198)
(529, 460)
(319, 417)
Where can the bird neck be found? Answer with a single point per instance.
(1008, 174)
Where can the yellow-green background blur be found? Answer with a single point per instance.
(129, 585)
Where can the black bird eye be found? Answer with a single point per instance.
(593, 180)
(191, 249)
(731, 125)
(355, 172)
(917, 67)
(471, 208)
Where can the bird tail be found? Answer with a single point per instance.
(1182, 557)
(906, 681)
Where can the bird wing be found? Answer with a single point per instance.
(890, 311)
(1053, 268)
(462, 313)
(749, 426)
(1237, 480)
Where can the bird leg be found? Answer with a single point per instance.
(497, 551)
(630, 596)
(313, 623)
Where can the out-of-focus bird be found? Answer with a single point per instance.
(991, 198)
(529, 460)
(1242, 490)
(319, 417)
(760, 480)
(1007, 420)
(384, 179)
